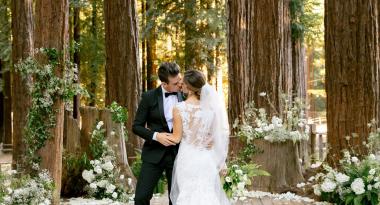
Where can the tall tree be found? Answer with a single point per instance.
(123, 72)
(1, 104)
(151, 45)
(22, 47)
(5, 57)
(52, 31)
(189, 21)
(352, 73)
(259, 55)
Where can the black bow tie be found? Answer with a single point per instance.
(169, 94)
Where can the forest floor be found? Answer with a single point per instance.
(258, 198)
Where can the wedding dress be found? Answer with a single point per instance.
(196, 179)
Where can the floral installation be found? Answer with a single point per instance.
(25, 189)
(238, 178)
(354, 182)
(45, 88)
(288, 124)
(103, 178)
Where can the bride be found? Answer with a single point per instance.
(200, 123)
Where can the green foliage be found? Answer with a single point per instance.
(238, 177)
(354, 182)
(98, 146)
(5, 31)
(92, 51)
(119, 113)
(199, 26)
(306, 20)
(45, 89)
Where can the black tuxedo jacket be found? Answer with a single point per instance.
(150, 118)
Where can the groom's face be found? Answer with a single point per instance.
(174, 84)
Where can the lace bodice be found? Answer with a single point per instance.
(196, 124)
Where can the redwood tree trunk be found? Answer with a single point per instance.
(22, 47)
(123, 72)
(299, 68)
(151, 48)
(1, 106)
(259, 55)
(6, 76)
(51, 31)
(352, 73)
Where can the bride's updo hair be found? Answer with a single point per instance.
(194, 80)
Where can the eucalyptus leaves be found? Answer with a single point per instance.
(46, 88)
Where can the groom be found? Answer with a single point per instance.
(154, 123)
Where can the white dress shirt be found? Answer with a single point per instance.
(168, 104)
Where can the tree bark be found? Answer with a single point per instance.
(143, 47)
(1, 105)
(299, 69)
(151, 48)
(51, 31)
(6, 77)
(352, 73)
(260, 60)
(123, 72)
(22, 47)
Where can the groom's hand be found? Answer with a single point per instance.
(164, 139)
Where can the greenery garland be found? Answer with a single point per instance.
(45, 88)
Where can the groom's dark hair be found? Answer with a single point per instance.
(167, 69)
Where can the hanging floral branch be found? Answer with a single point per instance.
(45, 88)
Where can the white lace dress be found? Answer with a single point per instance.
(196, 179)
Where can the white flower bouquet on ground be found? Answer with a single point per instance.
(238, 178)
(354, 183)
(104, 178)
(26, 189)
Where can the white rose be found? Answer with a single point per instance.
(112, 133)
(88, 175)
(102, 183)
(262, 94)
(235, 166)
(328, 185)
(99, 125)
(342, 178)
(96, 162)
(369, 187)
(108, 166)
(354, 159)
(93, 186)
(228, 179)
(300, 185)
(377, 185)
(357, 186)
(121, 177)
(110, 188)
(98, 170)
(114, 195)
(241, 185)
(372, 171)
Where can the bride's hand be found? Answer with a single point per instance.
(223, 170)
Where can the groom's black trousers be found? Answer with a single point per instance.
(150, 174)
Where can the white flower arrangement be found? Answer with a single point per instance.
(356, 181)
(26, 189)
(103, 178)
(288, 124)
(238, 178)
